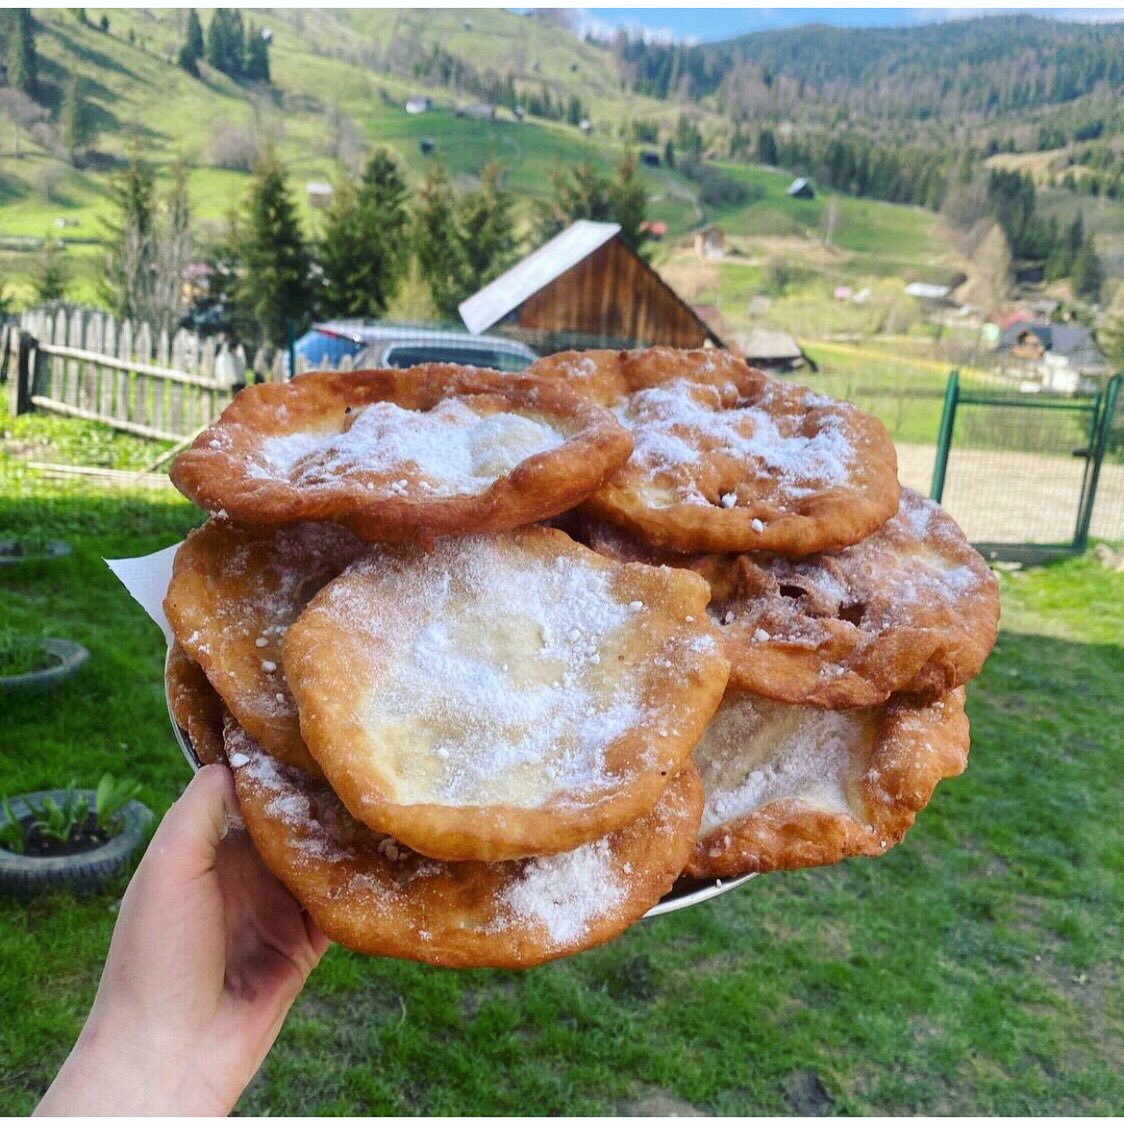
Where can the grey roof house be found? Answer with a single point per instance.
(1064, 356)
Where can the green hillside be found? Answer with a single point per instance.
(346, 69)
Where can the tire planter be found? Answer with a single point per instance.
(52, 549)
(25, 876)
(69, 655)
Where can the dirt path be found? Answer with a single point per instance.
(1016, 497)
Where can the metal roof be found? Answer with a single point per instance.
(1073, 341)
(546, 264)
(769, 343)
(926, 292)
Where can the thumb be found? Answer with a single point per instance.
(188, 837)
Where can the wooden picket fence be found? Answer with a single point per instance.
(85, 364)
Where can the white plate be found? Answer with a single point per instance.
(677, 899)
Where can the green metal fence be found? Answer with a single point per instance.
(1031, 476)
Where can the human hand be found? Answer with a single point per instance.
(207, 956)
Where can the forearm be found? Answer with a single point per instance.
(129, 1071)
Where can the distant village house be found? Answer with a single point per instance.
(710, 243)
(801, 188)
(319, 194)
(479, 111)
(1062, 357)
(774, 351)
(419, 103)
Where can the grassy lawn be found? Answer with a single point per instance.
(975, 969)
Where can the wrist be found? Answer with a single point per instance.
(123, 1068)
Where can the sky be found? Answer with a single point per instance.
(722, 23)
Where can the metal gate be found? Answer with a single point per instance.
(1021, 473)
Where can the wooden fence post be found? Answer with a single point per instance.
(19, 382)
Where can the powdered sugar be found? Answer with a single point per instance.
(755, 752)
(449, 450)
(565, 892)
(490, 664)
(676, 426)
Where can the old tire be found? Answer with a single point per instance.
(52, 549)
(26, 876)
(70, 655)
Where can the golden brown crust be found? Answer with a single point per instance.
(369, 894)
(195, 705)
(234, 592)
(791, 787)
(913, 608)
(230, 467)
(728, 459)
(505, 695)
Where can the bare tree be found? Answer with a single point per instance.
(172, 248)
(232, 146)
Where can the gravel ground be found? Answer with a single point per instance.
(1017, 497)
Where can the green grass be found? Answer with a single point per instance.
(974, 969)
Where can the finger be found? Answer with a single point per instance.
(317, 941)
(190, 833)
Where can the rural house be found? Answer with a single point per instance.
(478, 111)
(710, 242)
(586, 287)
(1062, 357)
(319, 194)
(774, 351)
(419, 103)
(801, 188)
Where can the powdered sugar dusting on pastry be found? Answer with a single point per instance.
(449, 450)
(677, 424)
(493, 693)
(565, 892)
(755, 752)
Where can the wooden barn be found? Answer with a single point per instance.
(586, 288)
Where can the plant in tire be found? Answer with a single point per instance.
(67, 824)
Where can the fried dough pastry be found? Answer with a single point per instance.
(401, 456)
(728, 459)
(796, 786)
(913, 608)
(234, 592)
(195, 705)
(503, 695)
(375, 896)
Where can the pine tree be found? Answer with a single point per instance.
(126, 284)
(630, 202)
(436, 244)
(486, 229)
(74, 118)
(226, 42)
(257, 56)
(1075, 235)
(1088, 275)
(583, 193)
(273, 291)
(193, 48)
(49, 281)
(21, 57)
(766, 148)
(194, 43)
(365, 248)
(669, 153)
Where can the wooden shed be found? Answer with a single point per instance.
(587, 287)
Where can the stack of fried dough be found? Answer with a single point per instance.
(499, 660)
